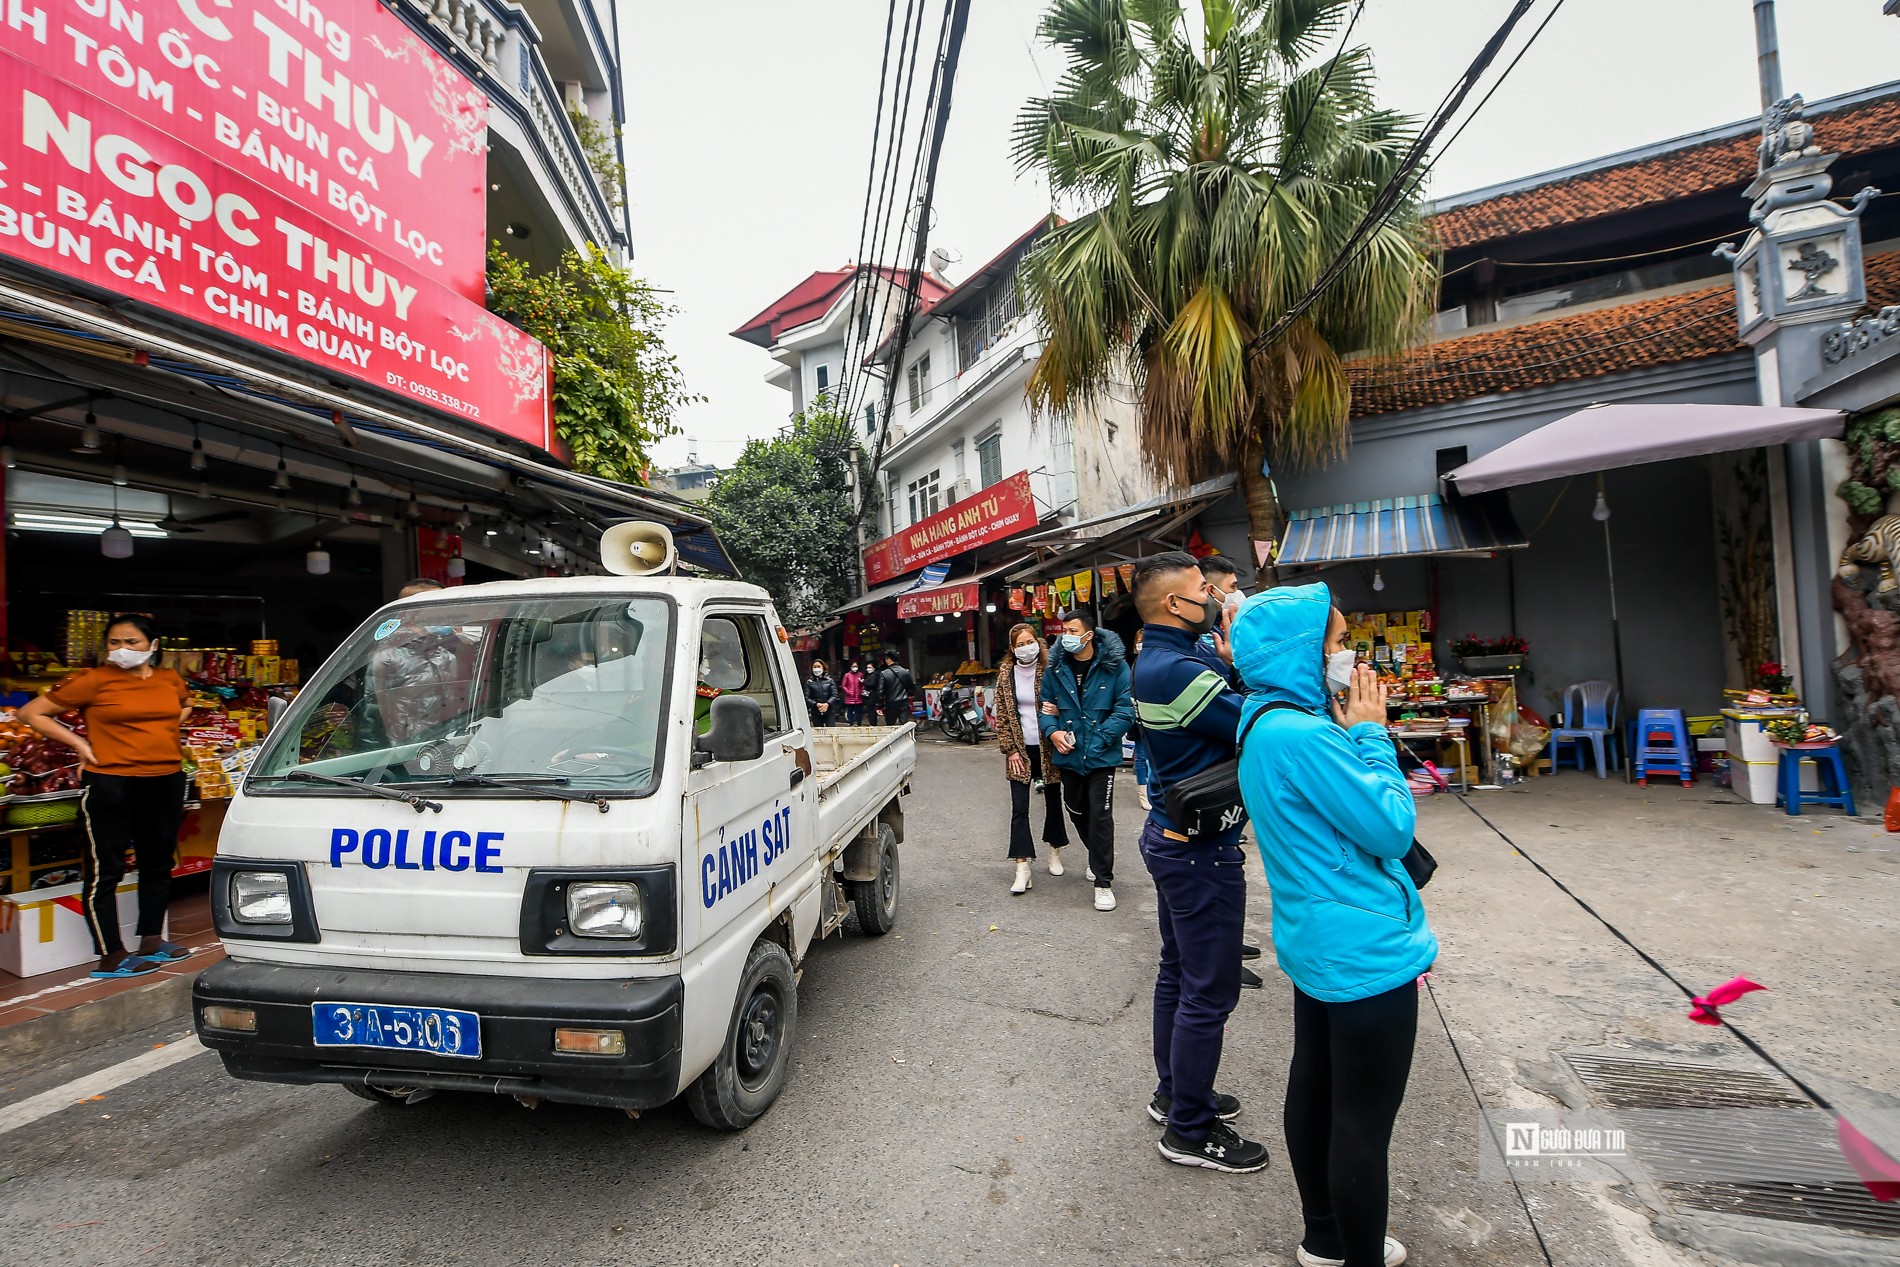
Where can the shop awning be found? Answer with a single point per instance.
(1400, 527)
(1604, 437)
(1072, 546)
(930, 578)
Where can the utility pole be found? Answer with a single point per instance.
(1797, 275)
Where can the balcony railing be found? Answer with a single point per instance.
(485, 39)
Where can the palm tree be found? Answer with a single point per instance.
(1224, 170)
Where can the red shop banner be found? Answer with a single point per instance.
(1002, 510)
(946, 600)
(97, 195)
(340, 109)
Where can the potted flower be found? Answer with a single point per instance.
(1771, 677)
(1491, 655)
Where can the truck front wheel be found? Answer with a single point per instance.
(738, 1087)
(876, 898)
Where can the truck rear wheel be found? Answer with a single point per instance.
(876, 898)
(739, 1086)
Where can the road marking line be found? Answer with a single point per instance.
(47, 1103)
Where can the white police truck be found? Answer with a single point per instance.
(564, 839)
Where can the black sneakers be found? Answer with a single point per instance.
(1222, 1150)
(1248, 951)
(1250, 980)
(1226, 1107)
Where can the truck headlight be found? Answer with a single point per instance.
(603, 909)
(260, 897)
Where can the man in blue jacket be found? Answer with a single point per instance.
(1190, 714)
(1086, 693)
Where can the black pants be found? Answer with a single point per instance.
(1090, 796)
(122, 812)
(897, 714)
(1350, 1063)
(1055, 833)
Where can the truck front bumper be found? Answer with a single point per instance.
(518, 1019)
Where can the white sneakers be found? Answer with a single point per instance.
(1104, 899)
(1055, 860)
(1021, 886)
(1394, 1255)
(1088, 873)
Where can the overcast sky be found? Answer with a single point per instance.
(749, 128)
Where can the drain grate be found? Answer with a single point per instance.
(1775, 1151)
(1656, 1084)
(1844, 1205)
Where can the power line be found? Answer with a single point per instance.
(943, 82)
(1387, 200)
(870, 174)
(1312, 107)
(909, 49)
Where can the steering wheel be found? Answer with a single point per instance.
(592, 760)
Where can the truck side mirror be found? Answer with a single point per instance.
(737, 732)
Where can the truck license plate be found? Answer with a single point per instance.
(436, 1031)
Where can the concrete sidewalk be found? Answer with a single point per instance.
(1712, 888)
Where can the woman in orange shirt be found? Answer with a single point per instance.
(134, 785)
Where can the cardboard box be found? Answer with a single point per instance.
(44, 930)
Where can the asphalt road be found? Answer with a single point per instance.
(967, 1090)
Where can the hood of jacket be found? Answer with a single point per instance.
(1279, 641)
(1108, 647)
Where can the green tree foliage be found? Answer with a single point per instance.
(597, 143)
(616, 387)
(1219, 173)
(784, 514)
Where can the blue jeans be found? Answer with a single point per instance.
(1202, 892)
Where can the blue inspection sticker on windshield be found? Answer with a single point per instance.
(388, 627)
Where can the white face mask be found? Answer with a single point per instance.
(1339, 667)
(1026, 654)
(126, 658)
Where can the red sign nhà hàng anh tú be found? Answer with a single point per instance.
(1002, 510)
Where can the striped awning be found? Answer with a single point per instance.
(1398, 527)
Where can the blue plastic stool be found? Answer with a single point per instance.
(1663, 747)
(1828, 764)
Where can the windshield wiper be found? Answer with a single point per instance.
(360, 783)
(549, 785)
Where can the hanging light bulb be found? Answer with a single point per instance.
(89, 434)
(317, 561)
(115, 542)
(456, 567)
(198, 459)
(414, 509)
(1378, 579)
(462, 520)
(282, 482)
(354, 497)
(1601, 512)
(204, 487)
(118, 475)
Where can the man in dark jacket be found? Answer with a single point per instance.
(1190, 717)
(1086, 693)
(821, 694)
(894, 689)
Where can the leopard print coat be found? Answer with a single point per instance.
(1009, 726)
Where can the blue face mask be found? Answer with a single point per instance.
(1071, 643)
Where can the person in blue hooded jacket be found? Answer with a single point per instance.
(1333, 818)
(1086, 695)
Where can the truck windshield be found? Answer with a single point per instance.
(474, 696)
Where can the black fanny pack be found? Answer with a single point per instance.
(1209, 803)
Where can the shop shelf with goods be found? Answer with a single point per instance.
(1753, 761)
